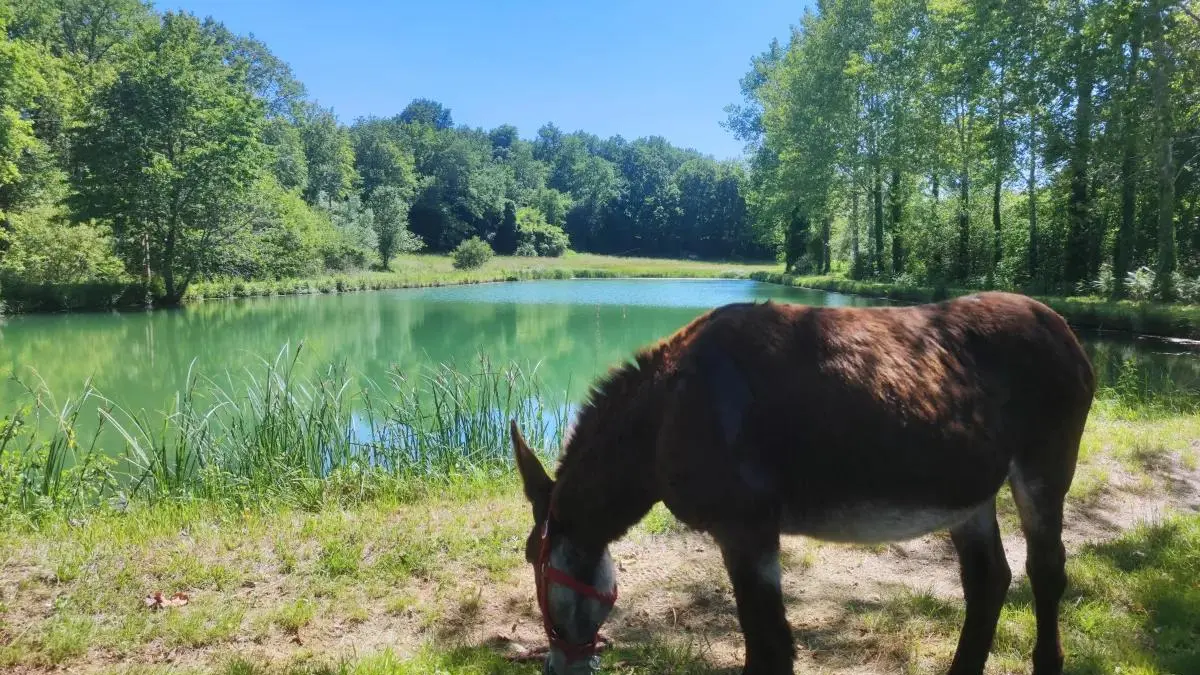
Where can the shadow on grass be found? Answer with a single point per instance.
(1132, 605)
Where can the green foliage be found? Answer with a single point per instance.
(1012, 145)
(427, 112)
(287, 238)
(389, 206)
(43, 248)
(472, 253)
(174, 123)
(506, 237)
(539, 236)
(329, 156)
(354, 242)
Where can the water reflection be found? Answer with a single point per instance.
(573, 329)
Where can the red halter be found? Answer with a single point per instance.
(544, 575)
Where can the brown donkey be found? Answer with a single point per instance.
(856, 425)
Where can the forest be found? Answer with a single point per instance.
(1048, 145)
(142, 151)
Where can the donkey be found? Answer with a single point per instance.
(841, 424)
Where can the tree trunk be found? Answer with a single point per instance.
(797, 240)
(897, 208)
(997, 242)
(855, 264)
(1001, 167)
(1166, 162)
(168, 270)
(963, 253)
(1031, 188)
(1123, 247)
(877, 198)
(1079, 223)
(826, 254)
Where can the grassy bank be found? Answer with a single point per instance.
(323, 526)
(1152, 318)
(407, 271)
(413, 581)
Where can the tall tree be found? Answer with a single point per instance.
(389, 206)
(171, 153)
(428, 112)
(1080, 52)
(329, 155)
(506, 237)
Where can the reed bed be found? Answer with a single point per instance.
(269, 436)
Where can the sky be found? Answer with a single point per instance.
(654, 67)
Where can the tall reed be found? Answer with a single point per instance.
(272, 435)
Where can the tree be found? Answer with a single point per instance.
(535, 234)
(389, 206)
(427, 112)
(329, 155)
(1161, 17)
(170, 155)
(289, 164)
(380, 157)
(506, 237)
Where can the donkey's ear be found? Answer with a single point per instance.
(537, 484)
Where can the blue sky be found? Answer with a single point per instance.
(665, 67)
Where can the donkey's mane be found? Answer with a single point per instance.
(610, 401)
(626, 391)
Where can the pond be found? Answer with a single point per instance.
(574, 330)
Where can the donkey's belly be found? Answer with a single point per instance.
(867, 523)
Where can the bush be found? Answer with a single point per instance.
(45, 248)
(1188, 289)
(472, 253)
(1140, 283)
(526, 250)
(546, 239)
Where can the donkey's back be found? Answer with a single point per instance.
(871, 423)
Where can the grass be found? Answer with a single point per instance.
(407, 271)
(276, 439)
(417, 271)
(1168, 320)
(1132, 606)
(286, 517)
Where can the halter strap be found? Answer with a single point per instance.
(545, 575)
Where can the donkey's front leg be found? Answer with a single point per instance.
(752, 560)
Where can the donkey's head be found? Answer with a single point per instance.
(576, 586)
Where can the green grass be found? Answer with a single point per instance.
(416, 271)
(407, 271)
(1169, 320)
(1132, 606)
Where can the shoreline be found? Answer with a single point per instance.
(1124, 316)
(1137, 318)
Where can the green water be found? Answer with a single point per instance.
(574, 330)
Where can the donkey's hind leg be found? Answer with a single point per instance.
(985, 579)
(751, 557)
(1040, 503)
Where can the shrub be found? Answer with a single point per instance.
(44, 248)
(472, 253)
(1188, 289)
(548, 240)
(526, 250)
(1140, 283)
